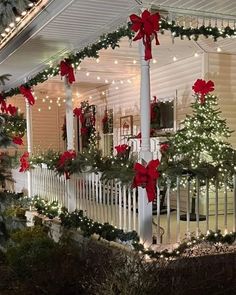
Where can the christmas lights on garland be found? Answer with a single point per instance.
(112, 40)
(108, 232)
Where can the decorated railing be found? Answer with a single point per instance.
(183, 207)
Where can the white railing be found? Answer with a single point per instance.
(215, 207)
(102, 201)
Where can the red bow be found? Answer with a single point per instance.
(64, 159)
(146, 26)
(67, 70)
(122, 148)
(202, 87)
(17, 140)
(24, 162)
(146, 177)
(27, 94)
(67, 155)
(11, 109)
(164, 147)
(78, 113)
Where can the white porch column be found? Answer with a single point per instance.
(29, 143)
(69, 116)
(145, 208)
(71, 198)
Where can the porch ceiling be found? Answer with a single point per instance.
(81, 22)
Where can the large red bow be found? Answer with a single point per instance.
(146, 177)
(67, 155)
(122, 148)
(63, 160)
(17, 140)
(67, 70)
(202, 87)
(27, 94)
(146, 26)
(78, 113)
(24, 162)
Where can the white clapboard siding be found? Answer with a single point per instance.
(222, 70)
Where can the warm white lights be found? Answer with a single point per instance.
(17, 19)
(23, 13)
(97, 60)
(7, 30)
(196, 54)
(134, 61)
(98, 78)
(116, 62)
(87, 74)
(174, 58)
(154, 61)
(218, 49)
(12, 25)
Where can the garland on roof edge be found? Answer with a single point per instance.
(112, 40)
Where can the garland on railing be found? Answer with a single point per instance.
(112, 40)
(108, 232)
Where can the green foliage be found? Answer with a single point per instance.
(49, 209)
(106, 231)
(28, 248)
(50, 158)
(4, 78)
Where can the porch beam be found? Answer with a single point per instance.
(145, 208)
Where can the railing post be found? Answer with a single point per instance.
(145, 208)
(70, 185)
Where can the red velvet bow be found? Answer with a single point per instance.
(122, 148)
(164, 147)
(17, 140)
(67, 155)
(24, 162)
(202, 87)
(27, 94)
(11, 109)
(64, 158)
(67, 70)
(146, 26)
(146, 177)
(78, 113)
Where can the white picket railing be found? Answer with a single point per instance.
(102, 201)
(111, 202)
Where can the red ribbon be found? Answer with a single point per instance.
(78, 113)
(146, 26)
(164, 147)
(27, 94)
(17, 140)
(67, 70)
(64, 159)
(11, 109)
(146, 177)
(67, 155)
(202, 87)
(121, 149)
(24, 162)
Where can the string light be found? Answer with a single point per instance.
(116, 62)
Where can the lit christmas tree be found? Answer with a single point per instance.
(200, 147)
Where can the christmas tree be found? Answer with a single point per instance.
(200, 148)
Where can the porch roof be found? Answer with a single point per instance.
(71, 25)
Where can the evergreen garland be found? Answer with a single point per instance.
(112, 40)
